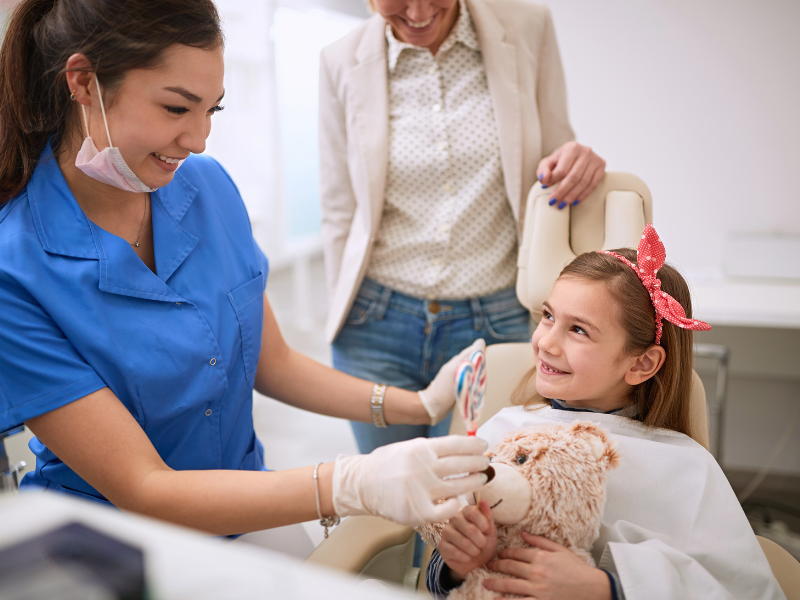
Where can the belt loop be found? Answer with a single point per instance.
(383, 303)
(477, 313)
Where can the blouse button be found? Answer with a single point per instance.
(437, 107)
(208, 412)
(212, 362)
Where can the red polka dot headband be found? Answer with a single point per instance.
(650, 258)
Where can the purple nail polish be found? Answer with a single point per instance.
(544, 187)
(540, 176)
(552, 201)
(576, 203)
(561, 205)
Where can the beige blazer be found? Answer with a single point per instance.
(526, 83)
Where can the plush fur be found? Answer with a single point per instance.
(566, 466)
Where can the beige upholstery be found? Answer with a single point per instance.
(613, 216)
(353, 544)
(784, 566)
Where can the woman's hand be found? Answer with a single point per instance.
(438, 398)
(402, 482)
(575, 168)
(469, 540)
(547, 571)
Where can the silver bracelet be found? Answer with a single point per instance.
(376, 403)
(326, 522)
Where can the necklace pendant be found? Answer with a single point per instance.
(136, 243)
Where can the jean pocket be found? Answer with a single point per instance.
(248, 304)
(512, 324)
(361, 311)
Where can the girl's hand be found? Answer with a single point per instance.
(469, 540)
(547, 571)
(576, 169)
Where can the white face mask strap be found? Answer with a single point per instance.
(102, 108)
(85, 122)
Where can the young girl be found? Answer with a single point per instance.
(672, 526)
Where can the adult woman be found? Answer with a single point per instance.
(435, 116)
(134, 324)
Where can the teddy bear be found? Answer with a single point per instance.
(548, 480)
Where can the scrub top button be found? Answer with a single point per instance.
(212, 362)
(208, 412)
(177, 303)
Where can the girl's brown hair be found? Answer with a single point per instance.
(115, 35)
(662, 400)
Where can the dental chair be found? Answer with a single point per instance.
(613, 216)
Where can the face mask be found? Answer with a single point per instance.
(107, 166)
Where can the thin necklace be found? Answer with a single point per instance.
(139, 237)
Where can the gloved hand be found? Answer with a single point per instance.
(438, 398)
(401, 481)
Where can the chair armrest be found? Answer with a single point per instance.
(356, 541)
(784, 566)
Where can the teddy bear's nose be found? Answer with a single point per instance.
(508, 493)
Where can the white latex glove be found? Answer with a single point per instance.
(438, 398)
(402, 481)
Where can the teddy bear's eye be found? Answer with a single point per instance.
(521, 458)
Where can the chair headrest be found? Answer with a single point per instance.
(613, 216)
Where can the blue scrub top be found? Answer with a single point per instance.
(80, 311)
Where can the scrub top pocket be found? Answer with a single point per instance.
(248, 303)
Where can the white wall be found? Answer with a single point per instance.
(700, 98)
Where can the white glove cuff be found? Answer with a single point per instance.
(428, 406)
(346, 475)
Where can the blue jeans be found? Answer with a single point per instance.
(403, 341)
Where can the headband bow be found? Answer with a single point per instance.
(650, 257)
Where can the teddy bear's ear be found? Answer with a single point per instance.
(603, 449)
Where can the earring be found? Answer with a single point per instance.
(72, 96)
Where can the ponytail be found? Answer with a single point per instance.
(31, 108)
(114, 35)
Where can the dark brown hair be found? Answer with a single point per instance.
(662, 400)
(115, 35)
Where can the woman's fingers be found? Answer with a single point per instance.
(583, 187)
(544, 172)
(570, 172)
(451, 488)
(456, 465)
(575, 168)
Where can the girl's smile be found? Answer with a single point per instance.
(548, 369)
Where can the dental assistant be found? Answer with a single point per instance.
(436, 119)
(134, 325)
